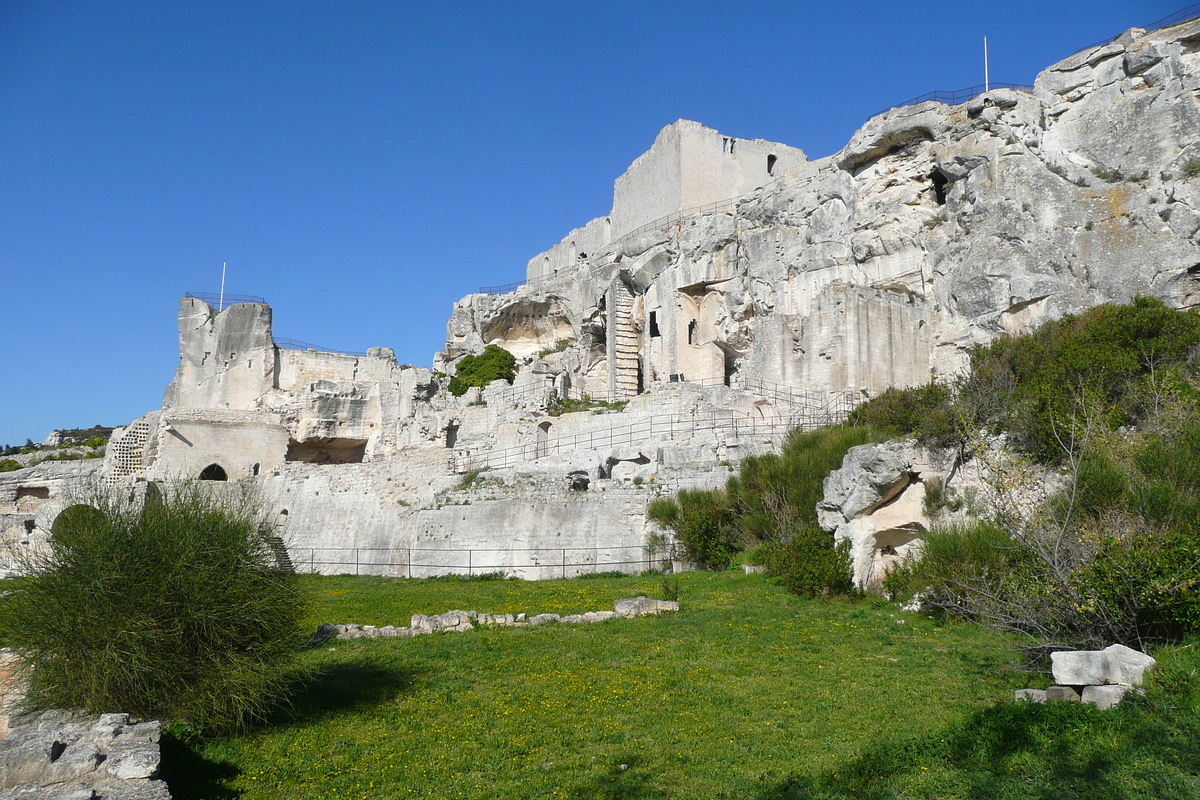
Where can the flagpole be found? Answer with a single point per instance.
(987, 83)
(221, 302)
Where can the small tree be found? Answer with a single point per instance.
(176, 608)
(493, 364)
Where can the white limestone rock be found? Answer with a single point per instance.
(1107, 696)
(1115, 664)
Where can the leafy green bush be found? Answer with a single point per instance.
(1112, 360)
(9, 465)
(176, 609)
(1113, 557)
(493, 364)
(927, 412)
(703, 523)
(956, 560)
(811, 564)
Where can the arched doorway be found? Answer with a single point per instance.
(213, 472)
(543, 440)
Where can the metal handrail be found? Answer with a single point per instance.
(1182, 15)
(295, 344)
(562, 560)
(958, 95)
(221, 301)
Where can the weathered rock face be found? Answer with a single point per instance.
(935, 228)
(876, 502)
(60, 754)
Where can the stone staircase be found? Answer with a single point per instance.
(625, 343)
(283, 560)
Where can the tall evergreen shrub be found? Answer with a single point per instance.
(172, 609)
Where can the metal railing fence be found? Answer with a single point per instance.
(295, 344)
(223, 301)
(414, 562)
(958, 95)
(1182, 15)
(662, 426)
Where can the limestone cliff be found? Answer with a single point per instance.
(935, 228)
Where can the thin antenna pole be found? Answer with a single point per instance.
(987, 83)
(221, 302)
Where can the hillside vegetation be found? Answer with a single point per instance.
(1111, 399)
(766, 513)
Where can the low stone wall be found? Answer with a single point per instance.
(468, 620)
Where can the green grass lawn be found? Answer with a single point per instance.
(744, 690)
(748, 692)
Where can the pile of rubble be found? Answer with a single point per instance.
(467, 620)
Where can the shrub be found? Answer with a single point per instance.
(1114, 557)
(176, 609)
(493, 364)
(772, 500)
(703, 523)
(1111, 358)
(811, 564)
(9, 465)
(956, 559)
(926, 412)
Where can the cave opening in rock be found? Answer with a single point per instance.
(939, 182)
(771, 159)
(654, 332)
(327, 451)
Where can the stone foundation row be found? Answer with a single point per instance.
(468, 620)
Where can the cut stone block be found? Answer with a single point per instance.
(1114, 664)
(637, 606)
(1127, 665)
(1068, 693)
(1030, 695)
(1105, 696)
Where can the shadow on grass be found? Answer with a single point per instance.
(190, 776)
(345, 688)
(622, 781)
(331, 691)
(1028, 751)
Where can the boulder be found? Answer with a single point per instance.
(1115, 664)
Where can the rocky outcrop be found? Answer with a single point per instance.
(876, 502)
(61, 754)
(935, 228)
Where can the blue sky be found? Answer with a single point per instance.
(362, 165)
